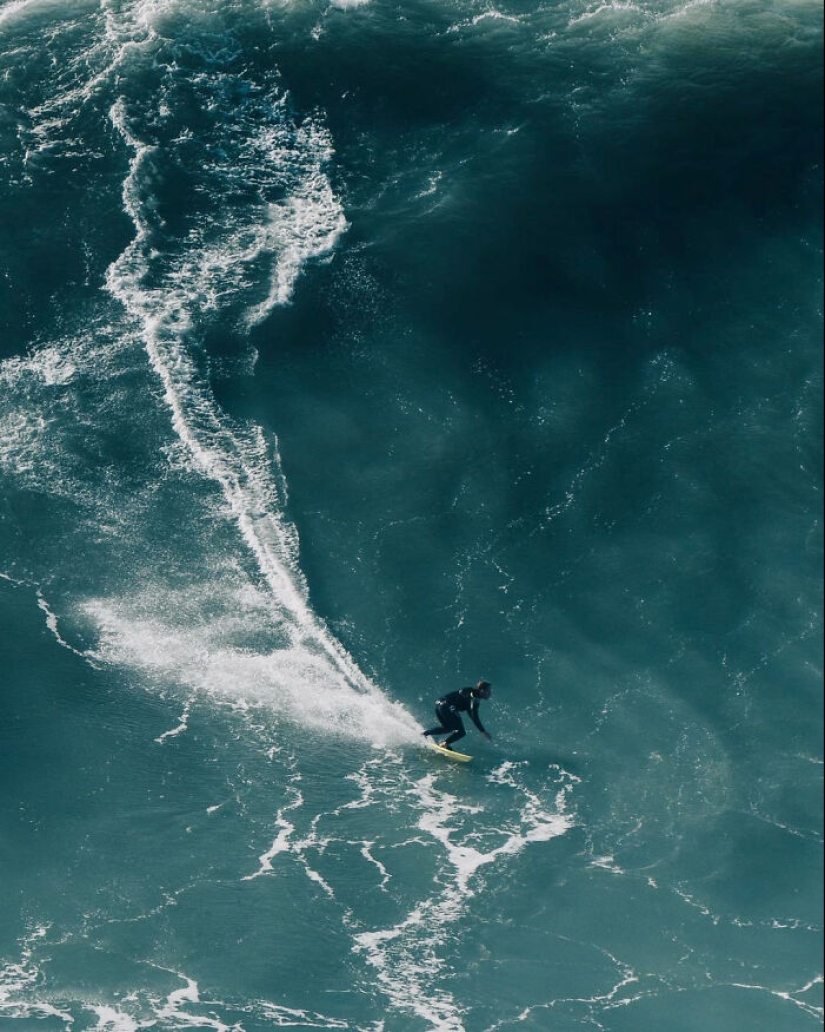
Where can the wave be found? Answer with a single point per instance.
(229, 198)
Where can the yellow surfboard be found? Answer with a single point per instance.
(451, 754)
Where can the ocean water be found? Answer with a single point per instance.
(352, 351)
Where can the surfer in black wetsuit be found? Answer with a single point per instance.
(449, 710)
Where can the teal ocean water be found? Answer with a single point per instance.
(352, 351)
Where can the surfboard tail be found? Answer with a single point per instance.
(451, 754)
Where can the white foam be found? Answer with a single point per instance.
(109, 1019)
(52, 624)
(14, 9)
(535, 825)
(18, 11)
(294, 682)
(182, 726)
(790, 996)
(616, 9)
(495, 15)
(406, 957)
(24, 998)
(306, 227)
(19, 981)
(289, 1017)
(282, 842)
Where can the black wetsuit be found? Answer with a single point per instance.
(449, 710)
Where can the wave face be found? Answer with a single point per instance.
(351, 353)
(228, 198)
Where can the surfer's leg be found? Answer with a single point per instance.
(447, 723)
(442, 728)
(458, 732)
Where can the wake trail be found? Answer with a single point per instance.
(215, 450)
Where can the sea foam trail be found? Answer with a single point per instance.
(204, 272)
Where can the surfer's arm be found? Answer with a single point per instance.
(476, 719)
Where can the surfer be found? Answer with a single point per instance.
(449, 710)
